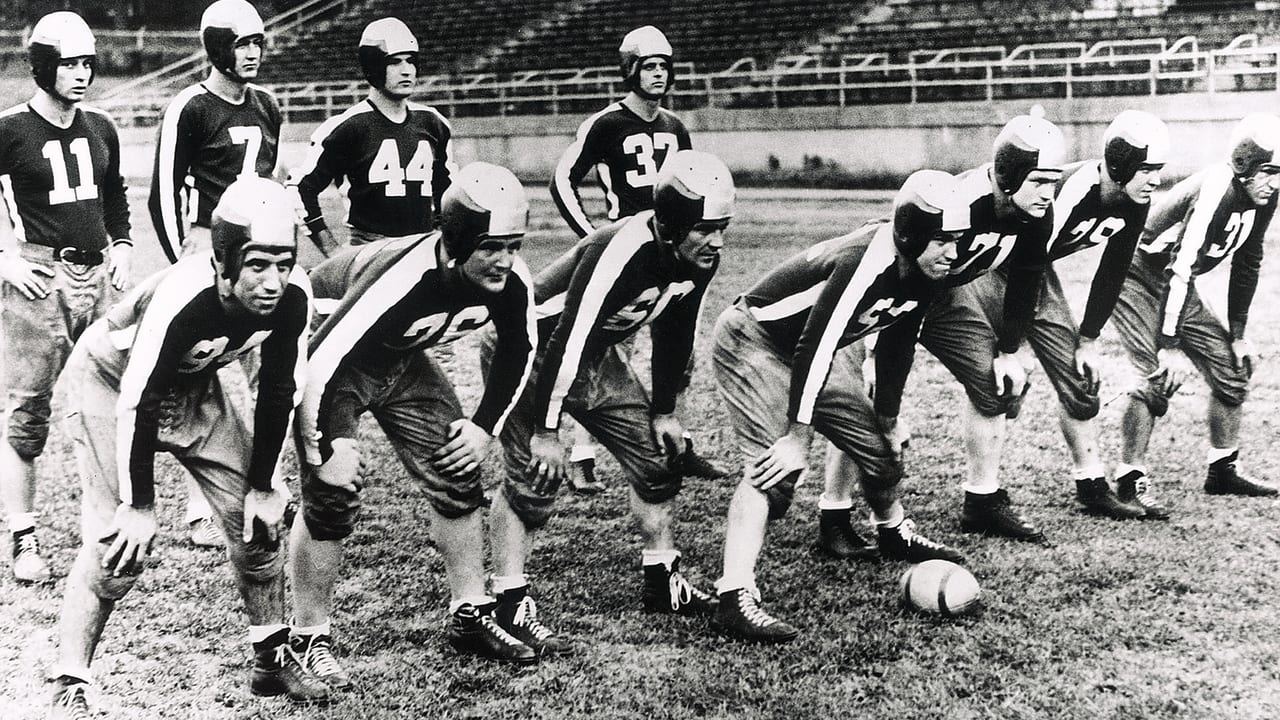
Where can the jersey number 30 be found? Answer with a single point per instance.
(386, 168)
(62, 191)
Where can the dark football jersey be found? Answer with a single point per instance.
(394, 173)
(1082, 220)
(396, 299)
(62, 187)
(1204, 220)
(204, 144)
(627, 152)
(623, 278)
(172, 331)
(829, 296)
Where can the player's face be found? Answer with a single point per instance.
(402, 75)
(1143, 183)
(935, 261)
(491, 263)
(263, 278)
(701, 247)
(1261, 186)
(655, 74)
(72, 78)
(1035, 195)
(248, 56)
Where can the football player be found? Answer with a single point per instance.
(393, 155)
(648, 269)
(786, 365)
(210, 134)
(1011, 220)
(627, 144)
(1218, 215)
(1099, 202)
(143, 379)
(397, 298)
(64, 247)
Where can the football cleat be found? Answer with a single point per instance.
(517, 613)
(315, 652)
(1098, 499)
(205, 533)
(902, 542)
(70, 702)
(28, 565)
(993, 514)
(1225, 478)
(1133, 487)
(475, 631)
(584, 481)
(838, 539)
(277, 670)
(667, 591)
(739, 615)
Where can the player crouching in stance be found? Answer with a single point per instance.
(397, 298)
(1217, 215)
(651, 268)
(143, 379)
(785, 365)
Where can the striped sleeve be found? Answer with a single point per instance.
(517, 328)
(281, 378)
(444, 167)
(1194, 237)
(321, 167)
(574, 165)
(174, 150)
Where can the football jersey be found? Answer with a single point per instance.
(624, 278)
(169, 334)
(397, 299)
(627, 152)
(62, 187)
(829, 296)
(1082, 220)
(205, 143)
(1204, 220)
(394, 173)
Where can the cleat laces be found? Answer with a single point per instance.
(754, 614)
(527, 617)
(71, 703)
(679, 589)
(909, 535)
(26, 543)
(319, 659)
(494, 629)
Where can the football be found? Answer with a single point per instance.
(940, 587)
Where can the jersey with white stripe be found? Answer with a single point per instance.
(62, 186)
(1005, 239)
(168, 335)
(627, 152)
(830, 296)
(1082, 220)
(396, 299)
(204, 144)
(1203, 221)
(624, 278)
(394, 173)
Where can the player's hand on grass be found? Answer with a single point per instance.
(263, 514)
(1088, 363)
(1244, 354)
(24, 275)
(546, 466)
(130, 535)
(464, 451)
(343, 466)
(787, 457)
(669, 434)
(1169, 374)
(118, 259)
(896, 433)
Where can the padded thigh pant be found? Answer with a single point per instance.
(608, 400)
(957, 332)
(200, 427)
(755, 381)
(1202, 337)
(1053, 336)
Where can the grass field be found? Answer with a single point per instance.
(1115, 620)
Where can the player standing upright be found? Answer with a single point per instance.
(627, 144)
(395, 156)
(64, 241)
(1218, 215)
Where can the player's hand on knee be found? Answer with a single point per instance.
(668, 432)
(263, 514)
(869, 375)
(343, 466)
(130, 536)
(546, 466)
(1088, 364)
(787, 457)
(23, 275)
(118, 261)
(1244, 355)
(1012, 377)
(464, 450)
(896, 433)
(1169, 374)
